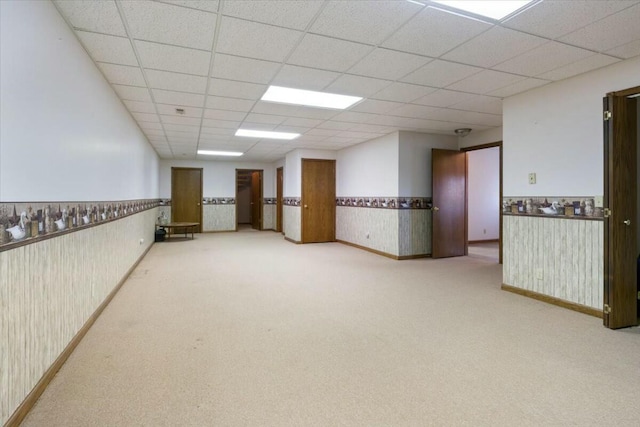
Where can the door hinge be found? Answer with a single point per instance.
(607, 115)
(607, 309)
(606, 212)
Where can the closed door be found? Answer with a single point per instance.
(279, 192)
(186, 195)
(318, 201)
(620, 228)
(449, 174)
(256, 200)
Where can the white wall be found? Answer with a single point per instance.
(293, 168)
(368, 169)
(483, 192)
(556, 131)
(65, 135)
(480, 137)
(218, 178)
(415, 161)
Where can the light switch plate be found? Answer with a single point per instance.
(598, 201)
(532, 178)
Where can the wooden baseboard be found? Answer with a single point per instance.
(485, 241)
(292, 241)
(384, 254)
(553, 300)
(27, 404)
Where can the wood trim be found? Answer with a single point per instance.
(384, 254)
(485, 241)
(29, 402)
(553, 300)
(288, 239)
(626, 92)
(418, 256)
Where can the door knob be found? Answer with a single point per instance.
(198, 204)
(306, 207)
(435, 209)
(627, 222)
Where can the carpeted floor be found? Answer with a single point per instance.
(487, 250)
(245, 329)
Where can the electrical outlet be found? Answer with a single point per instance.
(598, 201)
(367, 234)
(141, 241)
(532, 178)
(484, 231)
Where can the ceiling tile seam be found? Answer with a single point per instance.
(75, 34)
(125, 23)
(184, 6)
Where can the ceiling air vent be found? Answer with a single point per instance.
(180, 110)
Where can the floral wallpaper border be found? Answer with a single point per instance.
(206, 201)
(553, 206)
(386, 202)
(29, 222)
(270, 200)
(292, 201)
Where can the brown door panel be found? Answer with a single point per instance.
(318, 200)
(449, 170)
(186, 196)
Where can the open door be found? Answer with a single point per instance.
(620, 228)
(449, 184)
(279, 198)
(256, 200)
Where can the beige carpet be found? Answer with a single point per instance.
(245, 329)
(488, 250)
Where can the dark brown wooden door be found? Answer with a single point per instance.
(318, 201)
(256, 200)
(279, 201)
(449, 183)
(620, 143)
(186, 195)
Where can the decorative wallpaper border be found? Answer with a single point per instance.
(29, 222)
(386, 202)
(206, 201)
(269, 200)
(292, 201)
(556, 206)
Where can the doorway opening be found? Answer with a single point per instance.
(249, 209)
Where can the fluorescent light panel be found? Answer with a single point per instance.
(266, 134)
(220, 153)
(490, 8)
(309, 98)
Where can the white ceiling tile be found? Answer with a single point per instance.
(626, 51)
(615, 30)
(293, 129)
(402, 92)
(299, 121)
(480, 103)
(145, 117)
(322, 132)
(354, 117)
(171, 129)
(304, 78)
(224, 115)
(273, 108)
(349, 84)
(388, 64)
(153, 133)
(521, 86)
(168, 110)
(232, 104)
(493, 47)
(257, 126)
(554, 18)
(255, 40)
(220, 132)
(98, 16)
(133, 93)
(469, 117)
(443, 98)
(314, 113)
(327, 53)
(165, 23)
(372, 128)
(588, 64)
(173, 58)
(433, 32)
(177, 120)
(243, 69)
(414, 111)
(440, 73)
(542, 59)
(222, 124)
(177, 98)
(208, 5)
(140, 107)
(374, 106)
(112, 49)
(485, 81)
(333, 125)
(283, 13)
(264, 118)
(175, 81)
(233, 89)
(146, 127)
(122, 74)
(363, 135)
(363, 21)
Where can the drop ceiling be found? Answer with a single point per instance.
(418, 67)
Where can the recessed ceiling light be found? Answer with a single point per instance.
(266, 134)
(489, 8)
(220, 153)
(309, 98)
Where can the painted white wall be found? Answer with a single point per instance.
(480, 137)
(218, 178)
(483, 192)
(556, 131)
(65, 135)
(415, 161)
(293, 168)
(368, 169)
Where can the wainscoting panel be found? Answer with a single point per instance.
(218, 217)
(166, 210)
(353, 224)
(50, 288)
(562, 258)
(292, 222)
(414, 232)
(269, 217)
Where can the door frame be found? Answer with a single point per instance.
(482, 147)
(261, 171)
(200, 227)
